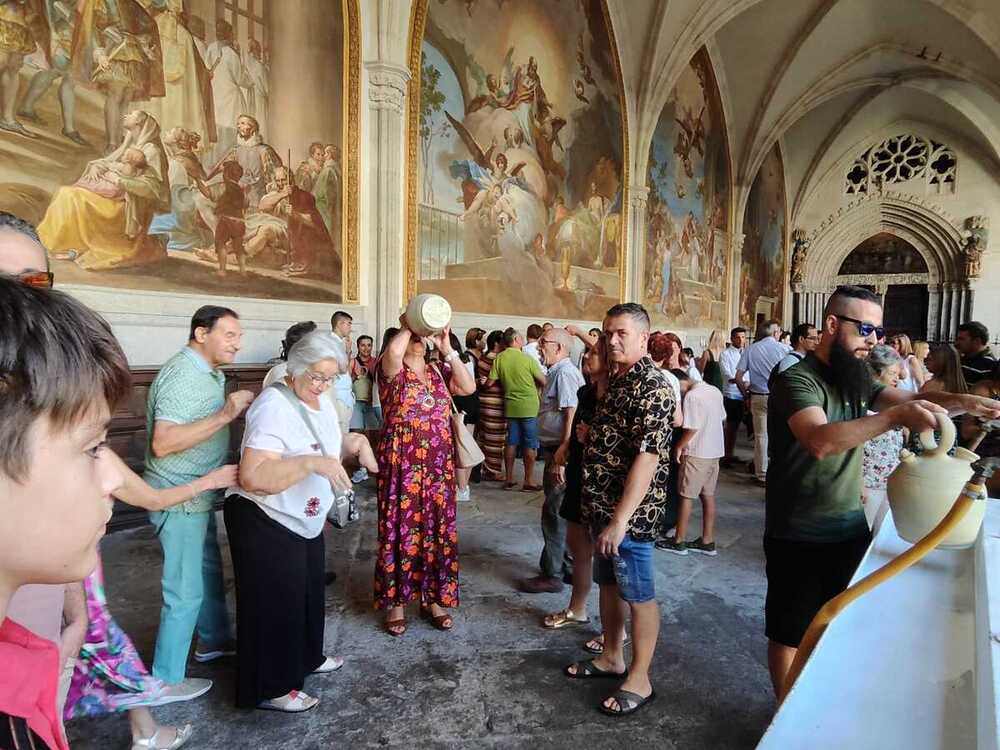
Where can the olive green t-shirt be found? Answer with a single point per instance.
(813, 499)
(514, 370)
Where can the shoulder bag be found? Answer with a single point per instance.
(344, 509)
(468, 454)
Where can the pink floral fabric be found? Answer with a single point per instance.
(417, 537)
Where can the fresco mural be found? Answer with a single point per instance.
(519, 148)
(687, 213)
(155, 151)
(762, 271)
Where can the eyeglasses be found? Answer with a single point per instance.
(545, 342)
(319, 379)
(38, 279)
(865, 329)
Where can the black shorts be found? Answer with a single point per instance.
(734, 409)
(801, 578)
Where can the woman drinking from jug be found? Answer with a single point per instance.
(417, 552)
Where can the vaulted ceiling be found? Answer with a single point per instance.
(818, 76)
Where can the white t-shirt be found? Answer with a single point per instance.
(274, 425)
(694, 373)
(704, 412)
(729, 361)
(675, 386)
(532, 350)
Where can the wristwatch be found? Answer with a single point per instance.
(451, 355)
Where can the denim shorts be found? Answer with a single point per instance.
(631, 570)
(366, 417)
(523, 431)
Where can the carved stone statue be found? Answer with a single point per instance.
(977, 231)
(799, 252)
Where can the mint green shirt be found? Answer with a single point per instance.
(185, 390)
(516, 372)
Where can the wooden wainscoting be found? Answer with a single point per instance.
(127, 433)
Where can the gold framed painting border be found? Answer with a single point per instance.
(351, 138)
(418, 21)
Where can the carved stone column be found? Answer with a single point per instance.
(386, 180)
(735, 261)
(634, 252)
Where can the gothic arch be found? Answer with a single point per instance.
(929, 229)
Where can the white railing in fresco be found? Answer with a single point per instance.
(440, 242)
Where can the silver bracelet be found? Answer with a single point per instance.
(452, 355)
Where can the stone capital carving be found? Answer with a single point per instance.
(638, 195)
(387, 86)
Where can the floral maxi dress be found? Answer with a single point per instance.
(109, 676)
(417, 538)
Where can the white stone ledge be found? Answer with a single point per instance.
(912, 664)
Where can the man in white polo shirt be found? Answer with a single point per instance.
(698, 450)
(757, 361)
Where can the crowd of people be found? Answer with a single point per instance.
(631, 428)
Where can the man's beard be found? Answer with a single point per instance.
(850, 372)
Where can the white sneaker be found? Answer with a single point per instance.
(464, 495)
(360, 475)
(332, 664)
(185, 690)
(294, 702)
(203, 654)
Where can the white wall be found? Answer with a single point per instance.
(977, 193)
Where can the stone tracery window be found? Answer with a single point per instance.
(902, 158)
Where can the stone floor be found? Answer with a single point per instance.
(496, 680)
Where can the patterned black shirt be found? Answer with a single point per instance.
(635, 417)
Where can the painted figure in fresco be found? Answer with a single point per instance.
(229, 79)
(116, 49)
(230, 202)
(309, 169)
(62, 21)
(23, 27)
(184, 225)
(328, 192)
(309, 246)
(260, 89)
(187, 101)
(100, 233)
(257, 159)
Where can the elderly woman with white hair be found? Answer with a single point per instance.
(881, 453)
(290, 473)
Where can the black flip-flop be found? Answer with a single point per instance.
(587, 670)
(628, 703)
(586, 646)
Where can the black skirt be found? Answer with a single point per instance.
(279, 603)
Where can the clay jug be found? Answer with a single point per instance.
(427, 314)
(923, 488)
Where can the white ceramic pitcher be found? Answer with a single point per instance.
(427, 314)
(923, 488)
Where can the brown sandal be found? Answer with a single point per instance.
(440, 622)
(391, 625)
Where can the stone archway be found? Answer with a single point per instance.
(818, 256)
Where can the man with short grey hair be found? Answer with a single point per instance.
(757, 361)
(555, 425)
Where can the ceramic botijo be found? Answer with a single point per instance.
(427, 314)
(923, 488)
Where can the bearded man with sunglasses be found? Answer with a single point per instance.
(815, 530)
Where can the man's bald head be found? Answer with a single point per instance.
(21, 250)
(555, 345)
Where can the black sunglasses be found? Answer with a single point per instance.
(865, 329)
